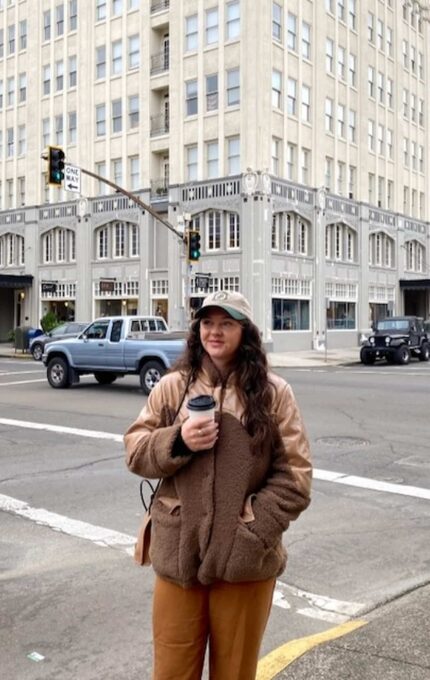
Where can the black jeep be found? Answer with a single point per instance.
(396, 339)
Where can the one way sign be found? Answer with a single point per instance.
(72, 178)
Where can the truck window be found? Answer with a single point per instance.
(151, 323)
(135, 326)
(161, 326)
(97, 330)
(115, 334)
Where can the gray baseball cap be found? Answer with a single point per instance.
(235, 304)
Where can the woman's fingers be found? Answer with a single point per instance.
(199, 433)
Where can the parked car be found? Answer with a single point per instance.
(111, 347)
(396, 339)
(65, 330)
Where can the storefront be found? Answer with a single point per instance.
(13, 302)
(59, 299)
(115, 298)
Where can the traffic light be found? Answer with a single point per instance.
(193, 246)
(55, 165)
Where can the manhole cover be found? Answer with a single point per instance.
(341, 442)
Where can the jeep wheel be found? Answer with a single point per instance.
(105, 378)
(37, 351)
(424, 354)
(403, 355)
(367, 357)
(150, 374)
(58, 373)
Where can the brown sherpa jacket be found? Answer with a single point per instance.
(219, 514)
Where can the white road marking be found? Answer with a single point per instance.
(22, 382)
(328, 609)
(35, 370)
(322, 475)
(372, 484)
(92, 434)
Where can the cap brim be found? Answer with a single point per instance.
(238, 316)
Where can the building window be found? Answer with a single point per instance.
(73, 15)
(370, 27)
(352, 126)
(212, 159)
(73, 71)
(23, 34)
(212, 26)
(352, 70)
(292, 97)
(116, 57)
(352, 173)
(100, 62)
(341, 120)
(233, 226)
(134, 167)
(212, 92)
(72, 128)
(59, 18)
(100, 10)
(10, 142)
(380, 148)
(328, 115)
(329, 55)
(1, 94)
(116, 115)
(214, 230)
(59, 130)
(389, 143)
(191, 97)
(389, 41)
(46, 132)
(22, 140)
(306, 40)
(116, 7)
(22, 87)
(291, 162)
(133, 111)
(11, 39)
(11, 91)
(340, 177)
(233, 87)
(233, 155)
(276, 89)
(275, 156)
(133, 51)
(233, 21)
(341, 63)
(292, 32)
(102, 243)
(371, 135)
(352, 14)
(101, 171)
(305, 164)
(277, 21)
(117, 170)
(191, 34)
(328, 173)
(59, 75)
(380, 87)
(47, 25)
(100, 120)
(192, 163)
(290, 314)
(119, 239)
(306, 103)
(371, 81)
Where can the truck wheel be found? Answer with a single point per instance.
(58, 373)
(403, 355)
(105, 378)
(367, 357)
(150, 374)
(37, 351)
(424, 354)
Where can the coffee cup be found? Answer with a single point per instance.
(202, 406)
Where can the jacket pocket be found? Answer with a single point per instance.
(166, 532)
(250, 560)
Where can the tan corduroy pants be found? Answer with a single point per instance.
(230, 617)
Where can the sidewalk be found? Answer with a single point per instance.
(293, 359)
(393, 644)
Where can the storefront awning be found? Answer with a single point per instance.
(12, 281)
(415, 284)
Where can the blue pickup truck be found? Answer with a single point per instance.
(112, 347)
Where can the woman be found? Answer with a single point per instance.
(230, 488)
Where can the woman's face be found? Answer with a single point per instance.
(220, 336)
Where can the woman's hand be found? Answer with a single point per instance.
(199, 434)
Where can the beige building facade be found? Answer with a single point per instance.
(294, 135)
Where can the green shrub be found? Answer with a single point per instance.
(11, 335)
(48, 322)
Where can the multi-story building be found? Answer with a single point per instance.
(294, 135)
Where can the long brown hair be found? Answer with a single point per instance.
(255, 390)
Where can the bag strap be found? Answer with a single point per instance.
(154, 489)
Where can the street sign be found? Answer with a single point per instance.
(72, 178)
(202, 281)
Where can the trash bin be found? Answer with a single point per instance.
(21, 338)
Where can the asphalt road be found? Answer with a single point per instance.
(71, 594)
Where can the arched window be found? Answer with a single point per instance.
(12, 249)
(340, 243)
(58, 245)
(291, 233)
(415, 256)
(381, 250)
(116, 240)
